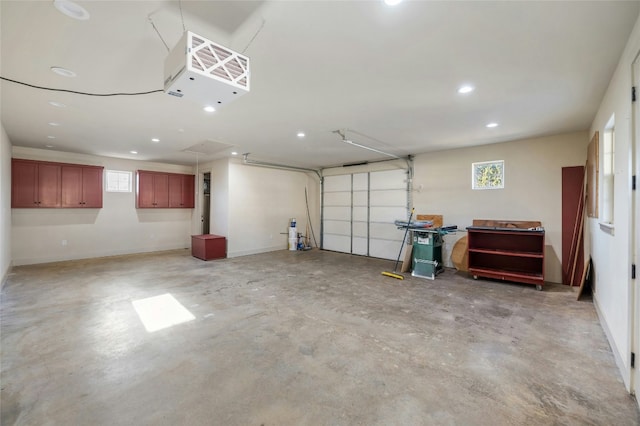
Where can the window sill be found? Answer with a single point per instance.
(608, 228)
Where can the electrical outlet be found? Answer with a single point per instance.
(63, 242)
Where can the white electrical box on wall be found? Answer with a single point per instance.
(202, 71)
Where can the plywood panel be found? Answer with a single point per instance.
(435, 218)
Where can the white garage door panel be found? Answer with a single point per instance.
(359, 211)
(337, 243)
(360, 198)
(389, 198)
(360, 214)
(337, 227)
(337, 183)
(360, 229)
(360, 246)
(384, 249)
(387, 214)
(391, 179)
(337, 213)
(360, 181)
(386, 231)
(337, 199)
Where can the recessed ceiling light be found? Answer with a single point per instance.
(465, 89)
(71, 9)
(391, 2)
(57, 104)
(209, 108)
(63, 72)
(133, 152)
(234, 153)
(492, 125)
(54, 124)
(301, 134)
(51, 137)
(155, 140)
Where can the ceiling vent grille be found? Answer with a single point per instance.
(203, 71)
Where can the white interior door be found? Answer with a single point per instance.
(359, 211)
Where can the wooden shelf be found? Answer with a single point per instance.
(507, 254)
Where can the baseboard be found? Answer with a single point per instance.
(108, 253)
(625, 373)
(5, 275)
(256, 251)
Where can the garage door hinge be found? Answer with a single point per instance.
(633, 94)
(633, 360)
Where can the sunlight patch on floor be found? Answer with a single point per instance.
(159, 312)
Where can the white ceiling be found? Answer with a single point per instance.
(389, 75)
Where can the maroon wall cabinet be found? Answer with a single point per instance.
(37, 184)
(81, 186)
(181, 191)
(162, 190)
(34, 184)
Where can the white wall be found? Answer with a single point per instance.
(533, 188)
(5, 205)
(117, 228)
(261, 203)
(611, 253)
(219, 220)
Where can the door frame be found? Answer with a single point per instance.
(635, 230)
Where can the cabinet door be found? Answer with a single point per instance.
(92, 187)
(24, 186)
(71, 186)
(49, 191)
(161, 190)
(144, 197)
(188, 188)
(181, 189)
(175, 190)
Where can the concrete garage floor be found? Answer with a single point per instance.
(299, 338)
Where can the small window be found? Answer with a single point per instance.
(608, 171)
(487, 175)
(118, 181)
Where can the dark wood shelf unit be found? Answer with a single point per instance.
(507, 254)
